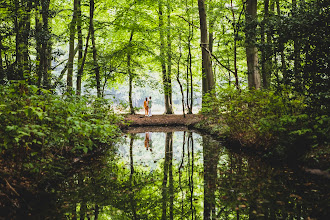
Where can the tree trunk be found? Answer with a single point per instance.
(81, 69)
(251, 49)
(80, 47)
(46, 47)
(166, 78)
(296, 54)
(281, 46)
(2, 73)
(235, 46)
(71, 47)
(265, 55)
(178, 76)
(168, 97)
(22, 31)
(207, 73)
(130, 74)
(96, 66)
(26, 37)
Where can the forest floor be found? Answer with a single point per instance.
(163, 120)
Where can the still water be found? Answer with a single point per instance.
(183, 175)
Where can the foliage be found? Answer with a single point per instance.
(39, 125)
(275, 121)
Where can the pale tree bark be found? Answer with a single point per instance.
(254, 80)
(96, 66)
(166, 85)
(169, 109)
(71, 47)
(207, 73)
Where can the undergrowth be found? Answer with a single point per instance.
(279, 123)
(38, 128)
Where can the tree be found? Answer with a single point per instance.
(207, 73)
(96, 67)
(165, 74)
(130, 74)
(80, 47)
(71, 46)
(251, 49)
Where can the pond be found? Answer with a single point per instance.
(182, 175)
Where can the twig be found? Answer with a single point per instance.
(10, 187)
(188, 21)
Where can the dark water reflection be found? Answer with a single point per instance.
(182, 175)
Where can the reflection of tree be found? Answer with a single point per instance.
(191, 172)
(211, 158)
(235, 187)
(132, 199)
(168, 172)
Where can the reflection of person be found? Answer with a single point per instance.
(146, 140)
(150, 141)
(146, 107)
(149, 106)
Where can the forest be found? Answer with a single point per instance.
(71, 71)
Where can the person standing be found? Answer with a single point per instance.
(146, 107)
(149, 106)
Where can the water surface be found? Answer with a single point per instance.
(183, 175)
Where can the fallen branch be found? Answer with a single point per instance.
(10, 187)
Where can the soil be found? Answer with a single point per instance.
(163, 120)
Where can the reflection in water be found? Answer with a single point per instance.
(185, 176)
(211, 157)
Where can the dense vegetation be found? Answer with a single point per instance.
(261, 67)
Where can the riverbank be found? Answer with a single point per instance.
(163, 120)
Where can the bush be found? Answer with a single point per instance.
(273, 121)
(37, 124)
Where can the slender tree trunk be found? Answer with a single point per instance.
(130, 74)
(235, 46)
(165, 74)
(265, 60)
(81, 69)
(38, 38)
(2, 74)
(96, 66)
(178, 76)
(169, 107)
(80, 47)
(26, 37)
(46, 47)
(281, 46)
(19, 10)
(189, 81)
(207, 73)
(251, 49)
(71, 47)
(296, 55)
